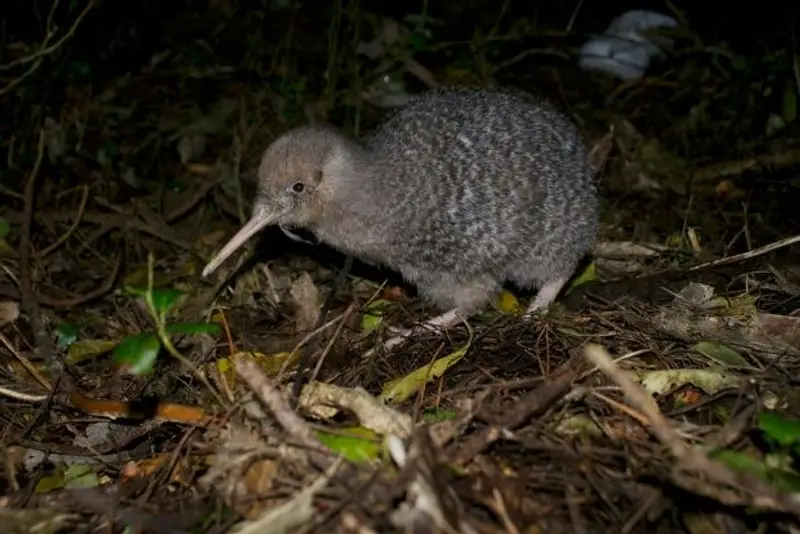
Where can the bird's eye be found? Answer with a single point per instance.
(298, 187)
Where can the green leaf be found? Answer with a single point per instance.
(87, 348)
(165, 299)
(723, 412)
(193, 328)
(403, 388)
(135, 291)
(434, 415)
(589, 274)
(579, 425)
(80, 476)
(373, 315)
(357, 444)
(137, 354)
(508, 303)
(722, 354)
(775, 469)
(741, 462)
(5, 228)
(50, 482)
(66, 334)
(784, 432)
(787, 482)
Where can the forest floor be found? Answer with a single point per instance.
(658, 394)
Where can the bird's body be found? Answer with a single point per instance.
(459, 191)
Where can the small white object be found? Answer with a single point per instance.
(293, 236)
(622, 50)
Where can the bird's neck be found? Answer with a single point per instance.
(356, 207)
(358, 179)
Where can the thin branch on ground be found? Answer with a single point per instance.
(689, 459)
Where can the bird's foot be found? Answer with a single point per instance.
(544, 298)
(401, 335)
(398, 337)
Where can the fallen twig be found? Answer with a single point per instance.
(192, 201)
(44, 347)
(747, 255)
(123, 221)
(690, 459)
(345, 316)
(98, 292)
(534, 403)
(263, 387)
(58, 242)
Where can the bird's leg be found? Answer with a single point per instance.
(464, 298)
(545, 297)
(445, 320)
(401, 335)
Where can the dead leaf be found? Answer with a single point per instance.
(710, 380)
(308, 302)
(85, 349)
(239, 471)
(325, 400)
(9, 312)
(291, 514)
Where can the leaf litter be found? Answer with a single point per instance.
(663, 375)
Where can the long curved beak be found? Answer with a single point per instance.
(257, 222)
